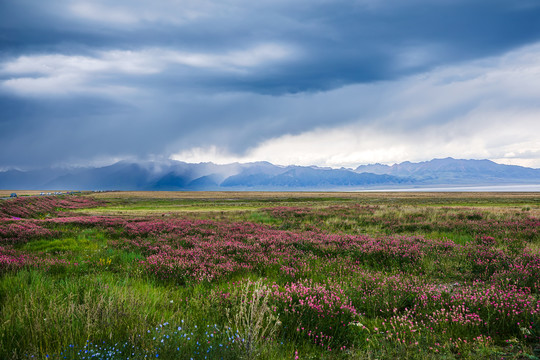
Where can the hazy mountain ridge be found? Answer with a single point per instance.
(177, 175)
(456, 171)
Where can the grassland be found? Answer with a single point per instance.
(180, 275)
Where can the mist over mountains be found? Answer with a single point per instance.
(177, 175)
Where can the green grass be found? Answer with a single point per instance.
(458, 238)
(62, 245)
(262, 218)
(43, 313)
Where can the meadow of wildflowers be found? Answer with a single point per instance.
(332, 279)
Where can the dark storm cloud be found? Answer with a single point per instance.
(85, 127)
(342, 42)
(96, 79)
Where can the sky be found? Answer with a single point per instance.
(307, 82)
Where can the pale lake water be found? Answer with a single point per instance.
(487, 188)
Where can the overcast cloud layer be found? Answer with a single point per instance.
(330, 83)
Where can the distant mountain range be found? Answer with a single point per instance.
(177, 175)
(451, 171)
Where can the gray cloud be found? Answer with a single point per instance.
(343, 42)
(85, 80)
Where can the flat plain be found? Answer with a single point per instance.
(273, 275)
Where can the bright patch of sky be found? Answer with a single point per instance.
(481, 109)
